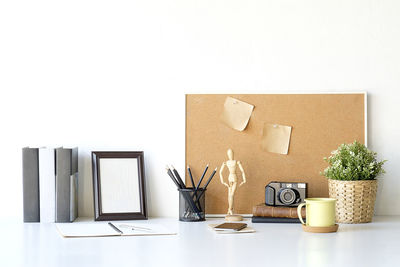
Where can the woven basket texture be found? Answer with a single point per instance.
(355, 200)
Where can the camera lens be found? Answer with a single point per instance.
(288, 196)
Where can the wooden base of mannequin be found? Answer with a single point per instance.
(233, 218)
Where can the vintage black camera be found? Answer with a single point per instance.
(285, 194)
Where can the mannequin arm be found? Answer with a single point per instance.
(243, 174)
(220, 174)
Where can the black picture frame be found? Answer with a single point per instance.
(101, 214)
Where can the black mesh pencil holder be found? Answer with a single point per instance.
(192, 205)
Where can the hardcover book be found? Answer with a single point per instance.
(263, 210)
(256, 219)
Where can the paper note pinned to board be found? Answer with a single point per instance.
(276, 138)
(236, 113)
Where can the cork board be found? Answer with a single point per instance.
(320, 122)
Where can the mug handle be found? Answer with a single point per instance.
(299, 212)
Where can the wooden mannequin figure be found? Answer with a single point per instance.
(232, 183)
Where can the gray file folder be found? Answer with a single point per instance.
(66, 184)
(30, 182)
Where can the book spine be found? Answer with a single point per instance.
(47, 184)
(63, 184)
(30, 183)
(280, 212)
(256, 219)
(74, 185)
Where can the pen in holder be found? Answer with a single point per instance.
(191, 204)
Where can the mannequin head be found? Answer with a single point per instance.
(230, 154)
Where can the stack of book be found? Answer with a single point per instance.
(50, 181)
(263, 213)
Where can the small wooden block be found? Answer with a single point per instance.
(233, 218)
(327, 229)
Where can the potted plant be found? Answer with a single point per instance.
(352, 173)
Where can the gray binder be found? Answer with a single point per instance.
(74, 185)
(66, 184)
(30, 183)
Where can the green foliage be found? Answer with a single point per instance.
(353, 162)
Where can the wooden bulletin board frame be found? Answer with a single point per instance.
(320, 123)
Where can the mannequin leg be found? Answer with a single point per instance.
(231, 194)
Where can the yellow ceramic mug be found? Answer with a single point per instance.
(320, 212)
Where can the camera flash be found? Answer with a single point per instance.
(301, 186)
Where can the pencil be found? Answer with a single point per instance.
(172, 177)
(209, 179)
(178, 177)
(115, 228)
(205, 187)
(191, 177)
(201, 179)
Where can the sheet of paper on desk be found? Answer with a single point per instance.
(98, 229)
(276, 138)
(143, 229)
(85, 229)
(236, 113)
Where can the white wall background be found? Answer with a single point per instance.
(113, 74)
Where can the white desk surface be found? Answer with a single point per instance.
(373, 244)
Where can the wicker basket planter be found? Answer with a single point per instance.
(355, 200)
